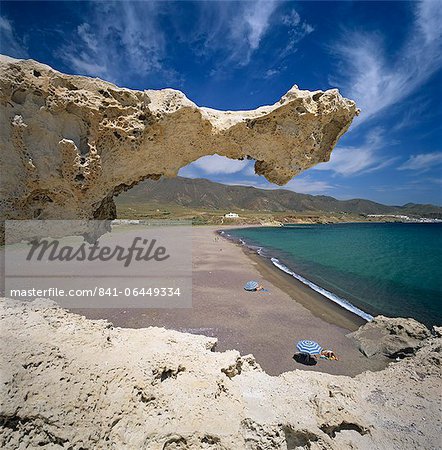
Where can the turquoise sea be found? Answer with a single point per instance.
(393, 269)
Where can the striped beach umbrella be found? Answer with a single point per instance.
(310, 347)
(251, 285)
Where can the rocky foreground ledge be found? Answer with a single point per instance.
(69, 382)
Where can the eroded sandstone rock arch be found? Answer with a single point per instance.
(70, 143)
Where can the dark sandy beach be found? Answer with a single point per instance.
(266, 324)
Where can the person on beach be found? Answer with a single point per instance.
(254, 286)
(328, 354)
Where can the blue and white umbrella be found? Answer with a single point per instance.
(310, 347)
(251, 285)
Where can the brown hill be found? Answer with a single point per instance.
(205, 194)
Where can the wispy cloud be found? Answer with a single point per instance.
(253, 23)
(123, 38)
(10, 43)
(307, 185)
(132, 35)
(297, 30)
(302, 185)
(414, 111)
(376, 81)
(233, 31)
(422, 162)
(366, 158)
(271, 73)
(117, 37)
(435, 181)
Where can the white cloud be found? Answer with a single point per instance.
(189, 172)
(237, 172)
(231, 30)
(123, 38)
(214, 164)
(270, 73)
(429, 19)
(255, 21)
(414, 112)
(117, 38)
(292, 19)
(253, 183)
(131, 35)
(376, 81)
(297, 30)
(434, 180)
(235, 31)
(305, 185)
(347, 161)
(10, 43)
(422, 162)
(308, 186)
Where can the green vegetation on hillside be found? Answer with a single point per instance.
(204, 201)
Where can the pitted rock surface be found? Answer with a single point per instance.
(70, 143)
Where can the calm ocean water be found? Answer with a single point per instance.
(392, 269)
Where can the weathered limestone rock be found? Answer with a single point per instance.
(69, 382)
(437, 331)
(391, 337)
(70, 143)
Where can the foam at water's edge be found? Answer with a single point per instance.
(330, 295)
(333, 297)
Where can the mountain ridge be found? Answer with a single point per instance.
(205, 194)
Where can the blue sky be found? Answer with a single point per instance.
(387, 56)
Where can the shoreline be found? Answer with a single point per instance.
(318, 304)
(265, 324)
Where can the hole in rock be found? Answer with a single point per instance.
(194, 194)
(104, 93)
(42, 197)
(19, 96)
(64, 83)
(298, 438)
(210, 440)
(164, 374)
(37, 213)
(83, 147)
(332, 430)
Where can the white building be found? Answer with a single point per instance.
(231, 215)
